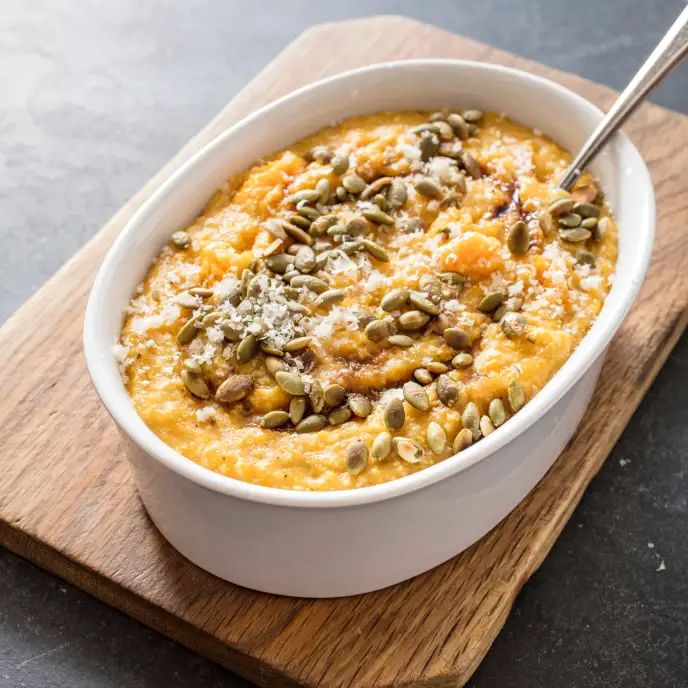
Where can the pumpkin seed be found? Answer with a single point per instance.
(289, 276)
(444, 131)
(304, 260)
(298, 343)
(382, 446)
(585, 258)
(334, 394)
(307, 212)
(447, 391)
(397, 194)
(189, 330)
(396, 298)
(290, 382)
(416, 396)
(575, 235)
(247, 349)
(320, 226)
(462, 360)
(341, 194)
(338, 229)
(330, 297)
(471, 164)
(268, 347)
(275, 228)
(339, 164)
(316, 396)
(201, 291)
(297, 409)
(353, 183)
(375, 187)
(412, 320)
(360, 405)
(195, 384)
(193, 366)
(423, 303)
(380, 201)
(394, 415)
(518, 238)
(437, 367)
(377, 330)
(438, 117)
(231, 331)
(486, 426)
(589, 223)
(546, 224)
(358, 225)
(274, 419)
(378, 216)
(561, 206)
(297, 233)
(513, 325)
(279, 263)
(274, 365)
(472, 116)
(428, 187)
(356, 457)
(375, 250)
(407, 449)
(426, 127)
(430, 284)
(350, 247)
(516, 396)
(401, 340)
(422, 376)
(180, 239)
(437, 438)
(429, 145)
(496, 412)
(339, 415)
(234, 388)
(300, 221)
(463, 440)
(308, 195)
(603, 226)
(457, 338)
(570, 220)
(313, 283)
(323, 188)
(586, 210)
(491, 301)
(451, 149)
(458, 124)
(470, 419)
(312, 423)
(320, 153)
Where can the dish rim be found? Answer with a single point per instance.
(588, 350)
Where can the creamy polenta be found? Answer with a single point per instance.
(368, 302)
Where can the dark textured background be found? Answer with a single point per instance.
(96, 96)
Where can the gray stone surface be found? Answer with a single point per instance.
(96, 96)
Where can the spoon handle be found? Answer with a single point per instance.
(669, 52)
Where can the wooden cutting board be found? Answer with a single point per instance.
(67, 499)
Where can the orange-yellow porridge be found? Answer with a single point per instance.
(369, 301)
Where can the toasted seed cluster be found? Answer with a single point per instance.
(347, 213)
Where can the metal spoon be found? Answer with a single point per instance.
(668, 53)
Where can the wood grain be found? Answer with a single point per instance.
(67, 500)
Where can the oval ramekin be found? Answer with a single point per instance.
(347, 542)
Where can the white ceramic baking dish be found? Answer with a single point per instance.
(346, 542)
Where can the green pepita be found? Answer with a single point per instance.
(312, 423)
(416, 396)
(570, 220)
(516, 396)
(457, 338)
(458, 124)
(330, 297)
(310, 282)
(585, 258)
(195, 384)
(518, 238)
(429, 145)
(496, 412)
(189, 330)
(378, 216)
(401, 340)
(274, 419)
(396, 298)
(334, 394)
(428, 187)
(377, 330)
(234, 388)
(422, 376)
(423, 303)
(375, 187)
(298, 343)
(470, 419)
(375, 250)
(339, 415)
(382, 446)
(437, 367)
(360, 405)
(397, 194)
(437, 438)
(339, 164)
(290, 382)
(394, 415)
(463, 440)
(308, 195)
(486, 426)
(323, 188)
(358, 225)
(180, 239)
(472, 165)
(407, 449)
(353, 183)
(297, 233)
(575, 235)
(279, 263)
(447, 390)
(462, 360)
(513, 325)
(356, 457)
(472, 116)
(316, 397)
(586, 210)
(491, 301)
